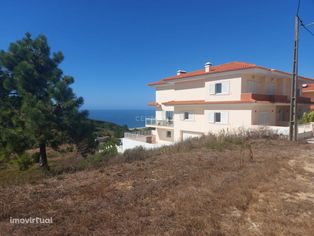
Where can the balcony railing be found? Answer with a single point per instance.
(143, 136)
(272, 98)
(154, 122)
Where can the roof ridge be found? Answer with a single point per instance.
(226, 67)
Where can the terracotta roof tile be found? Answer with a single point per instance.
(203, 102)
(154, 104)
(231, 66)
(245, 98)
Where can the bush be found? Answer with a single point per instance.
(308, 117)
(138, 153)
(24, 161)
(108, 148)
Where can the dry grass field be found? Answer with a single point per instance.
(193, 189)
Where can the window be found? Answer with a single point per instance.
(218, 88)
(169, 115)
(221, 117)
(217, 117)
(168, 134)
(186, 115)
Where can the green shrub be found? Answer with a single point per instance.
(24, 161)
(108, 148)
(308, 117)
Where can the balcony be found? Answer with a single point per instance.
(271, 98)
(152, 122)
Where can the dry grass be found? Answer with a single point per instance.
(193, 188)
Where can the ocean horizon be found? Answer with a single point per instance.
(133, 118)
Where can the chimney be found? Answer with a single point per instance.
(208, 66)
(180, 72)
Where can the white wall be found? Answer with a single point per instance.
(233, 94)
(199, 90)
(270, 109)
(239, 116)
(130, 143)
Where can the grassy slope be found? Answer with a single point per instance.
(191, 189)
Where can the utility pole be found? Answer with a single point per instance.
(293, 128)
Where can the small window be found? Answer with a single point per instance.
(168, 134)
(186, 115)
(169, 115)
(218, 88)
(217, 117)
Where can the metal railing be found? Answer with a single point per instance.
(154, 122)
(138, 134)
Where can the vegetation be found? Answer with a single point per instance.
(105, 128)
(38, 106)
(308, 117)
(24, 161)
(205, 186)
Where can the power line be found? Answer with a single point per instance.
(298, 8)
(305, 27)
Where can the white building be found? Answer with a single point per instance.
(223, 97)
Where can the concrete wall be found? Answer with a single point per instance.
(233, 94)
(161, 135)
(130, 143)
(256, 115)
(199, 90)
(239, 116)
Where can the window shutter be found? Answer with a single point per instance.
(225, 87)
(191, 116)
(211, 88)
(163, 115)
(211, 117)
(224, 117)
(182, 116)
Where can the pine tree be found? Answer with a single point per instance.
(38, 106)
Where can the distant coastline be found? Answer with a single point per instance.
(131, 117)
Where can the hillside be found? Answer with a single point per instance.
(106, 127)
(191, 189)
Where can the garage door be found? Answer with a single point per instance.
(187, 135)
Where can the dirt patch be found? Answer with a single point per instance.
(198, 192)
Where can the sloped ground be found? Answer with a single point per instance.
(199, 192)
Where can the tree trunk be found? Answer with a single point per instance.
(43, 156)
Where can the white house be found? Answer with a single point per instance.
(223, 97)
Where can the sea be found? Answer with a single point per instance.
(131, 118)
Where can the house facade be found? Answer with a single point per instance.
(308, 91)
(223, 97)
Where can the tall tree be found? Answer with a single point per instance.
(39, 106)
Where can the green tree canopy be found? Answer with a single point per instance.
(38, 106)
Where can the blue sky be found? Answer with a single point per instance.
(114, 48)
